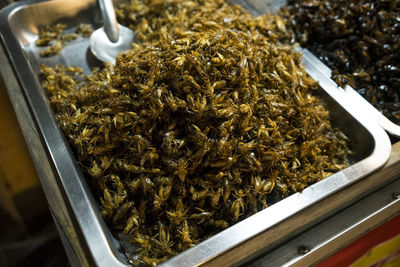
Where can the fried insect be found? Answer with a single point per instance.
(84, 29)
(197, 127)
(358, 40)
(54, 37)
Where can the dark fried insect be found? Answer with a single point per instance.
(358, 40)
(197, 126)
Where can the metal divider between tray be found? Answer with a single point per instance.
(352, 94)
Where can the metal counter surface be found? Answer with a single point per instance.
(341, 229)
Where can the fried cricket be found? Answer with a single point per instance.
(197, 127)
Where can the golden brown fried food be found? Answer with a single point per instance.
(54, 37)
(199, 126)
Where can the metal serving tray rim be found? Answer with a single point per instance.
(84, 206)
(351, 93)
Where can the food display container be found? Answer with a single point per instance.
(66, 188)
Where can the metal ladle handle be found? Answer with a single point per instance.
(109, 20)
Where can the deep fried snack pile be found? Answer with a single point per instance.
(152, 18)
(359, 41)
(204, 123)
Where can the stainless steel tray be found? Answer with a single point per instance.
(19, 25)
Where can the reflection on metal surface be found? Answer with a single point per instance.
(21, 21)
(107, 51)
(111, 39)
(258, 7)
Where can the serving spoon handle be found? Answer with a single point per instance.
(110, 23)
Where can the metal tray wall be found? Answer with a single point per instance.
(19, 26)
(354, 96)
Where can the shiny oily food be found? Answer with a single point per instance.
(359, 41)
(205, 122)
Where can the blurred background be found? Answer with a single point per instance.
(28, 236)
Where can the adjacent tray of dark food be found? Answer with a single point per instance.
(358, 41)
(200, 140)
